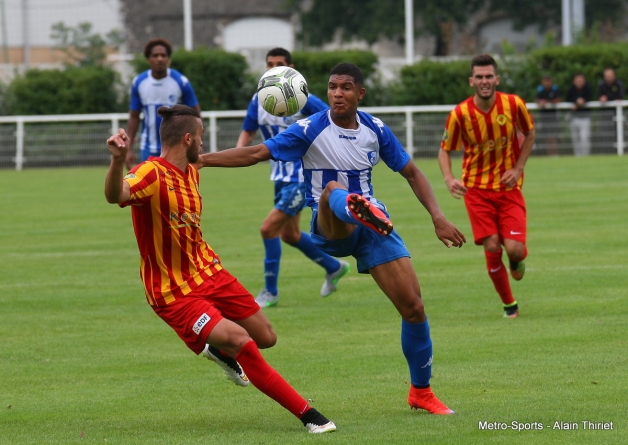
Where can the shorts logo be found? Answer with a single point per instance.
(200, 323)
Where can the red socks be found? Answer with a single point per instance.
(499, 275)
(269, 381)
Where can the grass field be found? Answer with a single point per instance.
(83, 359)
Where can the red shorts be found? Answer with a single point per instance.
(491, 213)
(195, 315)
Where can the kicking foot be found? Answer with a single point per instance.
(368, 214)
(332, 279)
(316, 423)
(424, 398)
(266, 299)
(231, 367)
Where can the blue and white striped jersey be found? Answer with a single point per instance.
(332, 153)
(270, 126)
(148, 94)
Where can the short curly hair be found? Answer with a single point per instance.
(148, 48)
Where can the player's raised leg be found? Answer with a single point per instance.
(340, 211)
(398, 281)
(235, 341)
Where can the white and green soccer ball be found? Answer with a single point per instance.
(282, 91)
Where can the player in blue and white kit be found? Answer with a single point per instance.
(339, 148)
(283, 220)
(150, 90)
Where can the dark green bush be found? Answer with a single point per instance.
(315, 67)
(70, 91)
(219, 78)
(432, 83)
(429, 82)
(563, 62)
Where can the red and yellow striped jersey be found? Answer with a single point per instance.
(491, 140)
(166, 210)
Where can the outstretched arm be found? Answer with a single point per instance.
(235, 157)
(445, 231)
(117, 190)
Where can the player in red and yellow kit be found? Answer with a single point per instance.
(497, 134)
(185, 283)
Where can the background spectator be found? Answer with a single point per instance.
(579, 94)
(548, 125)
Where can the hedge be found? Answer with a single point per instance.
(315, 67)
(70, 91)
(428, 82)
(220, 79)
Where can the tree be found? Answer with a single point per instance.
(547, 12)
(81, 46)
(371, 20)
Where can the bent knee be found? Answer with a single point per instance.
(290, 236)
(267, 340)
(414, 312)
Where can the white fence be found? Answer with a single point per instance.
(78, 140)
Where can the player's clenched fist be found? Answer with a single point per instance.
(118, 144)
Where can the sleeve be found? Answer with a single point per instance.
(391, 150)
(251, 122)
(570, 95)
(144, 183)
(136, 101)
(600, 89)
(525, 122)
(588, 93)
(291, 144)
(452, 137)
(188, 97)
(313, 105)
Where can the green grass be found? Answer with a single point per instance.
(83, 359)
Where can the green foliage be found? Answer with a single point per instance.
(219, 78)
(315, 66)
(433, 83)
(547, 12)
(371, 20)
(563, 62)
(429, 82)
(89, 89)
(81, 46)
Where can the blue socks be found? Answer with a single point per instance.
(271, 264)
(417, 348)
(309, 249)
(338, 204)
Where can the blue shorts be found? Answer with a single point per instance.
(370, 249)
(289, 197)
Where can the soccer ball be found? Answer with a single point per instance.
(282, 91)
